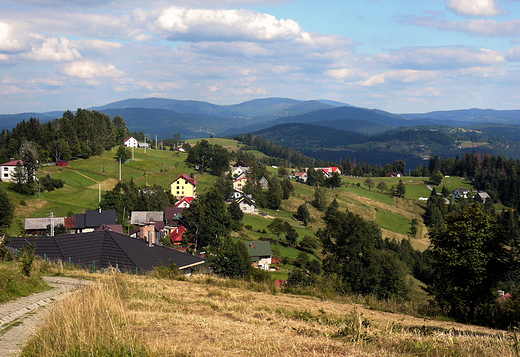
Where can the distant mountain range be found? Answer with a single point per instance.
(197, 119)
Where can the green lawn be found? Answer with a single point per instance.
(374, 194)
(393, 222)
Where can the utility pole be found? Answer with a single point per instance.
(119, 169)
(99, 182)
(132, 153)
(52, 224)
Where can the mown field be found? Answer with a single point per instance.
(129, 315)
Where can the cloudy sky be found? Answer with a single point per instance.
(396, 55)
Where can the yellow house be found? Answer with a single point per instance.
(183, 186)
(240, 183)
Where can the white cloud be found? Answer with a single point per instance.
(12, 41)
(53, 49)
(474, 27)
(91, 70)
(225, 25)
(485, 8)
(403, 76)
(439, 57)
(89, 44)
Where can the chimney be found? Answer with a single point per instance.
(150, 239)
(99, 209)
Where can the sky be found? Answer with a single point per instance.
(402, 56)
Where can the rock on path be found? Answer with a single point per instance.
(19, 319)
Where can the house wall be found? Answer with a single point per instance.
(181, 187)
(264, 263)
(8, 173)
(245, 207)
(239, 184)
(131, 143)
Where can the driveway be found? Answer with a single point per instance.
(20, 318)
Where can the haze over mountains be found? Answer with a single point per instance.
(197, 119)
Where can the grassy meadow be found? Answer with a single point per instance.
(129, 315)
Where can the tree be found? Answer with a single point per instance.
(436, 178)
(353, 248)
(369, 183)
(381, 186)
(123, 154)
(400, 189)
(231, 259)
(236, 215)
(6, 212)
(333, 181)
(207, 219)
(434, 164)
(276, 227)
(303, 214)
(308, 244)
(176, 139)
(282, 171)
(413, 227)
(320, 200)
(291, 236)
(468, 252)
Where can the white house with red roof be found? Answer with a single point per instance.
(184, 186)
(184, 202)
(8, 170)
(131, 142)
(328, 171)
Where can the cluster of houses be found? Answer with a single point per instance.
(326, 171)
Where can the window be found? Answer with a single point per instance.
(177, 192)
(6, 169)
(6, 175)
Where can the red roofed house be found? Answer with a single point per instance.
(183, 186)
(130, 142)
(240, 183)
(184, 202)
(177, 234)
(8, 170)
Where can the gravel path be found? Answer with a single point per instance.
(20, 318)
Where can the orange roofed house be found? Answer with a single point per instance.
(184, 186)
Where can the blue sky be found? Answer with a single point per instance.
(400, 56)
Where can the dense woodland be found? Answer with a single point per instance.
(81, 134)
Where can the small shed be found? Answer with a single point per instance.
(63, 163)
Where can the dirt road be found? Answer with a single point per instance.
(21, 317)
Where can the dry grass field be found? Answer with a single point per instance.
(128, 315)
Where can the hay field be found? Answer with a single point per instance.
(126, 315)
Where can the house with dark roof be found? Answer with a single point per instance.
(104, 249)
(92, 219)
(38, 225)
(482, 196)
(461, 192)
(261, 253)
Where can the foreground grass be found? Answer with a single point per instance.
(13, 284)
(202, 316)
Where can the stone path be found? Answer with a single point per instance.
(19, 319)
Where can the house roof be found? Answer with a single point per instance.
(240, 179)
(130, 137)
(143, 217)
(106, 248)
(247, 199)
(95, 218)
(170, 212)
(258, 248)
(187, 178)
(13, 163)
(42, 222)
(462, 189)
(188, 199)
(118, 228)
(176, 234)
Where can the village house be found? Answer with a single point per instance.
(107, 249)
(184, 202)
(482, 196)
(183, 186)
(8, 170)
(130, 142)
(151, 225)
(38, 226)
(461, 192)
(261, 253)
(240, 183)
(247, 204)
(93, 219)
(264, 183)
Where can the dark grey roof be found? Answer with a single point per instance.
(258, 248)
(106, 248)
(95, 219)
(80, 220)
